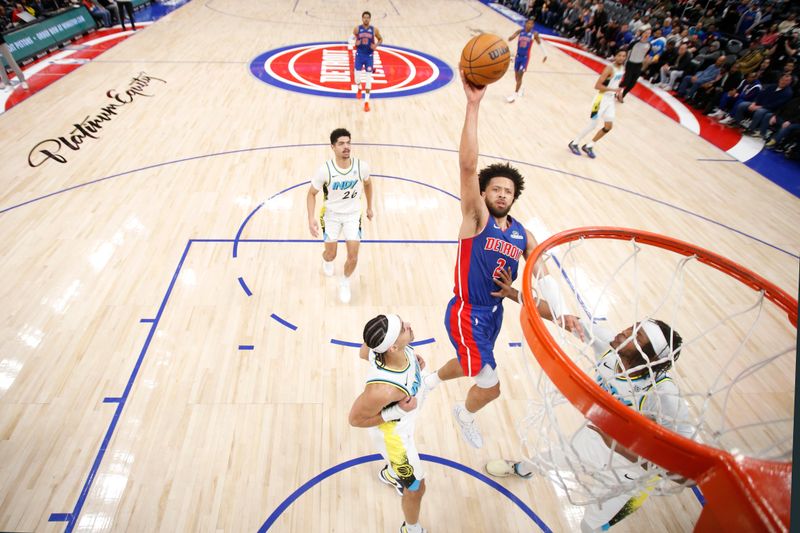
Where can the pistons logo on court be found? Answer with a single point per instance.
(326, 69)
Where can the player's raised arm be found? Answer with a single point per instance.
(540, 42)
(368, 410)
(514, 35)
(473, 207)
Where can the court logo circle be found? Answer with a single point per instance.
(326, 69)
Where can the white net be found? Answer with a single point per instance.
(730, 386)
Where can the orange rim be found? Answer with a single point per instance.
(759, 491)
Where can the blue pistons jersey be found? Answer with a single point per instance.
(480, 259)
(525, 40)
(364, 40)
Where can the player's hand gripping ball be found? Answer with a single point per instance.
(485, 59)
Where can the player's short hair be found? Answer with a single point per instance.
(375, 332)
(338, 132)
(501, 170)
(674, 340)
(366, 13)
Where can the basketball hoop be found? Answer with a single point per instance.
(744, 491)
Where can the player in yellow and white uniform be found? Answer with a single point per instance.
(633, 367)
(389, 407)
(343, 180)
(603, 106)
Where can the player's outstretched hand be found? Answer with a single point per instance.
(421, 362)
(572, 324)
(474, 94)
(370, 214)
(408, 404)
(313, 227)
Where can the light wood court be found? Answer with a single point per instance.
(129, 400)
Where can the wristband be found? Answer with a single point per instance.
(391, 413)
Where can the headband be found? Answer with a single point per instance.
(657, 339)
(392, 332)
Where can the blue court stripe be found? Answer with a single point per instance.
(111, 399)
(146, 320)
(718, 160)
(515, 344)
(423, 342)
(241, 228)
(358, 344)
(284, 322)
(72, 517)
(247, 290)
(375, 457)
(60, 517)
(409, 146)
(246, 347)
(699, 495)
(345, 343)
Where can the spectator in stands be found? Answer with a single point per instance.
(786, 48)
(699, 31)
(775, 74)
(668, 54)
(623, 38)
(98, 12)
(752, 58)
(770, 37)
(707, 55)
(666, 28)
(112, 8)
(788, 123)
(789, 23)
(788, 112)
(5, 53)
(672, 71)
(770, 99)
(708, 19)
(570, 19)
(733, 93)
(636, 23)
(20, 8)
(708, 76)
(749, 18)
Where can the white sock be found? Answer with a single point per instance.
(345, 281)
(366, 96)
(588, 129)
(590, 144)
(413, 528)
(465, 415)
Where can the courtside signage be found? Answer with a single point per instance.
(326, 69)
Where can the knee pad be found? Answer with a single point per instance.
(606, 129)
(486, 378)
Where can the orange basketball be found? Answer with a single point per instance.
(485, 59)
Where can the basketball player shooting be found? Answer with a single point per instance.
(491, 243)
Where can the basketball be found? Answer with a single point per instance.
(485, 59)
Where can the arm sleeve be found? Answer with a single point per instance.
(320, 177)
(664, 404)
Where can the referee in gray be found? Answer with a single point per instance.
(636, 56)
